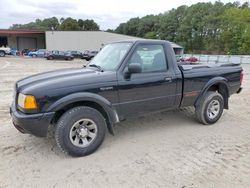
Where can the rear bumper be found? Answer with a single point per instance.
(35, 124)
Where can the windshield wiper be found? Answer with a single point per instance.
(97, 66)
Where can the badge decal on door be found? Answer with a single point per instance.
(106, 88)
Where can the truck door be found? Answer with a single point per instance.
(55, 54)
(152, 89)
(61, 55)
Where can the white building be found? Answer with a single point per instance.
(81, 40)
(63, 40)
(87, 40)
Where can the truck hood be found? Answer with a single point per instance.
(62, 79)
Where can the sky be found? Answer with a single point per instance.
(107, 13)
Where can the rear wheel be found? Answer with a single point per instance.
(80, 131)
(210, 108)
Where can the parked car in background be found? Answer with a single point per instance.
(59, 55)
(76, 54)
(13, 51)
(4, 51)
(26, 51)
(37, 53)
(88, 55)
(189, 59)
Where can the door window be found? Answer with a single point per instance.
(55, 52)
(151, 57)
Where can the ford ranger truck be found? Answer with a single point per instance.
(125, 79)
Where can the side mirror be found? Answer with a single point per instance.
(132, 69)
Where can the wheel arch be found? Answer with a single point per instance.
(218, 84)
(86, 99)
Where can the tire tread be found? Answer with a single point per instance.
(61, 125)
(199, 110)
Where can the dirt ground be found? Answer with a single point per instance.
(169, 149)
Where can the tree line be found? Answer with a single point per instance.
(211, 28)
(64, 24)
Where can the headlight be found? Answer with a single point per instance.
(26, 101)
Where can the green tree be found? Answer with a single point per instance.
(50, 23)
(235, 30)
(46, 24)
(245, 42)
(80, 23)
(245, 5)
(89, 25)
(121, 28)
(201, 27)
(61, 20)
(110, 31)
(151, 35)
(131, 27)
(69, 24)
(147, 23)
(63, 24)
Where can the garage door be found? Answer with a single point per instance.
(3, 41)
(26, 43)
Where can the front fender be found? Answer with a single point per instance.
(87, 97)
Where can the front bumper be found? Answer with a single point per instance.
(36, 124)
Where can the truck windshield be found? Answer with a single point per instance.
(110, 56)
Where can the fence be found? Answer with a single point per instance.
(221, 58)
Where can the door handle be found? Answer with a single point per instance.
(168, 79)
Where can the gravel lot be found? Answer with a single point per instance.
(169, 149)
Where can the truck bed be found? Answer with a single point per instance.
(197, 76)
(188, 66)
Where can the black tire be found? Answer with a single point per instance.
(50, 58)
(66, 123)
(2, 53)
(203, 109)
(34, 55)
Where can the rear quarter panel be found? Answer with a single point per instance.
(196, 81)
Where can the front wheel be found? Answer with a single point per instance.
(80, 131)
(210, 108)
(2, 53)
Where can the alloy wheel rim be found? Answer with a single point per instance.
(213, 109)
(83, 133)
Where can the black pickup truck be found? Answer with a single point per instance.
(125, 79)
